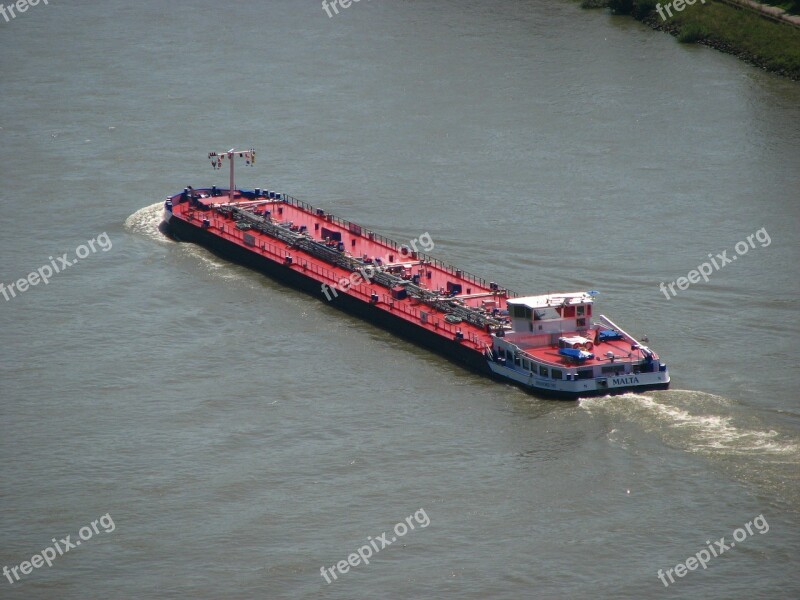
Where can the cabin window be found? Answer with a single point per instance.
(556, 374)
(585, 373)
(526, 364)
(615, 369)
(543, 371)
(501, 352)
(548, 313)
(521, 312)
(518, 361)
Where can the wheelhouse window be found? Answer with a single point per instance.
(521, 312)
(547, 313)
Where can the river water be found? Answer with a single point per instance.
(241, 435)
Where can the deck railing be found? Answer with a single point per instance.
(350, 226)
(305, 243)
(344, 223)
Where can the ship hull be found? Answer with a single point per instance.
(582, 388)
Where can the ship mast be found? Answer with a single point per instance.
(217, 158)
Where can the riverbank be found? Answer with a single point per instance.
(764, 43)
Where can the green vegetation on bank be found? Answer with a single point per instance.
(793, 6)
(773, 46)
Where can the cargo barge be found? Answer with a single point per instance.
(550, 345)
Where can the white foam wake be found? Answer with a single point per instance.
(696, 429)
(145, 222)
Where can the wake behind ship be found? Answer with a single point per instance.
(548, 344)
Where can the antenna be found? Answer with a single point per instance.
(217, 158)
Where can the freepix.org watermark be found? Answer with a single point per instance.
(18, 7)
(365, 274)
(59, 548)
(326, 6)
(678, 5)
(364, 553)
(58, 264)
(703, 557)
(705, 269)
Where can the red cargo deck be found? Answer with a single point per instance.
(359, 243)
